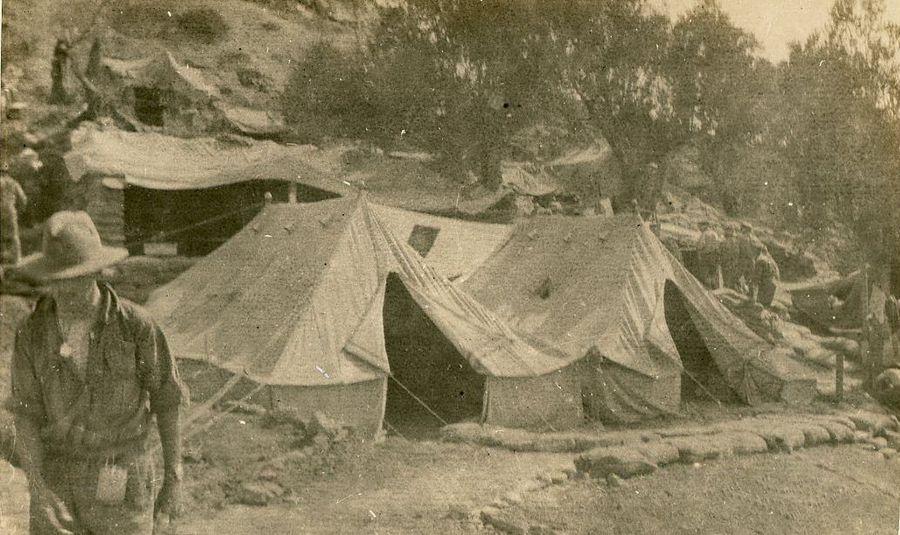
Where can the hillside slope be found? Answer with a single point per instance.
(247, 48)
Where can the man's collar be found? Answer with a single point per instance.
(109, 302)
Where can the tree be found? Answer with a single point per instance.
(329, 95)
(841, 126)
(718, 85)
(480, 74)
(611, 56)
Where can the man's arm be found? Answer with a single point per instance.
(29, 449)
(27, 406)
(169, 424)
(167, 393)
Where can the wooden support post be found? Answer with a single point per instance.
(865, 357)
(839, 377)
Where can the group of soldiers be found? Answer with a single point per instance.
(738, 260)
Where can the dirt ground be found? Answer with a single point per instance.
(410, 487)
(841, 489)
(823, 490)
(395, 487)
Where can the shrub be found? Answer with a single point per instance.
(204, 24)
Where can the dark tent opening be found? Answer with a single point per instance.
(701, 379)
(148, 107)
(200, 220)
(424, 364)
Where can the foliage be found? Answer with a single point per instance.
(327, 96)
(840, 125)
(444, 76)
(467, 76)
(814, 140)
(462, 79)
(718, 86)
(611, 56)
(204, 24)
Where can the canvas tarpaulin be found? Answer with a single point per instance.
(161, 70)
(593, 288)
(534, 182)
(157, 161)
(490, 346)
(589, 171)
(548, 402)
(281, 299)
(252, 122)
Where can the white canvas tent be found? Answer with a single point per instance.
(606, 293)
(295, 302)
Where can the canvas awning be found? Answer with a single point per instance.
(535, 182)
(156, 161)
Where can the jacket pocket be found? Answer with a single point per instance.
(120, 358)
(120, 389)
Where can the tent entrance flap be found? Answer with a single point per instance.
(701, 378)
(431, 381)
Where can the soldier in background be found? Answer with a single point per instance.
(887, 387)
(709, 247)
(749, 248)
(765, 278)
(12, 201)
(729, 259)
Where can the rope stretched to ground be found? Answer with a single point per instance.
(880, 489)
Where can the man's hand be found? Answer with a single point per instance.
(168, 502)
(54, 510)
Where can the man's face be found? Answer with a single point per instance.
(70, 289)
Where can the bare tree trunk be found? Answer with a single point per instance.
(631, 167)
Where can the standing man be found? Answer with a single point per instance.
(90, 372)
(709, 246)
(765, 278)
(12, 201)
(749, 248)
(729, 257)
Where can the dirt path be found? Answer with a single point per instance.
(409, 487)
(841, 490)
